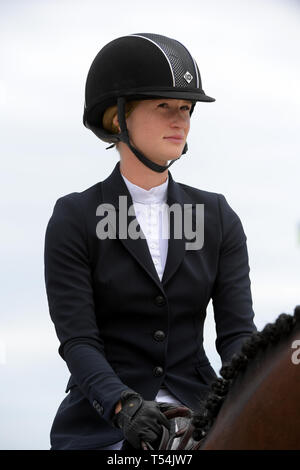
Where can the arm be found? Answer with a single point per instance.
(71, 305)
(232, 300)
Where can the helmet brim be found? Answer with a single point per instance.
(179, 95)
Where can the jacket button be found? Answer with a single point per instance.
(159, 335)
(160, 300)
(158, 371)
(98, 407)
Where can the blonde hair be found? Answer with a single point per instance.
(111, 112)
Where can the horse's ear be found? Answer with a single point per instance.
(297, 313)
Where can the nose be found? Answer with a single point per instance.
(180, 119)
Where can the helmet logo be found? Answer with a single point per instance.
(188, 76)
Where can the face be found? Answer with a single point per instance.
(159, 128)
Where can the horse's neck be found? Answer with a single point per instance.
(262, 410)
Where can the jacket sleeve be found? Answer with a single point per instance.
(232, 299)
(69, 290)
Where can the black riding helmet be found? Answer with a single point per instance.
(136, 67)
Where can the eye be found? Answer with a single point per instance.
(163, 105)
(186, 107)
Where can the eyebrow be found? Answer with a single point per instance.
(173, 99)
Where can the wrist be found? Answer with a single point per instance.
(118, 407)
(130, 402)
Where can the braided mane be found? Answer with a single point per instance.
(258, 341)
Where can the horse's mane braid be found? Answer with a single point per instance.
(271, 333)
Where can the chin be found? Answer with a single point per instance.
(174, 156)
(164, 161)
(174, 153)
(162, 157)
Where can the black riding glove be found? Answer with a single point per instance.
(141, 420)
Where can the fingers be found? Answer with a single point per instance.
(166, 406)
(177, 411)
(150, 436)
(164, 421)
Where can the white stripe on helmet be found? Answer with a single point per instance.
(153, 42)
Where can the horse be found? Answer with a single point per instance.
(255, 404)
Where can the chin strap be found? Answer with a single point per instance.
(124, 137)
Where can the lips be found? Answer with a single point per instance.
(175, 138)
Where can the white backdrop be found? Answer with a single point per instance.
(245, 146)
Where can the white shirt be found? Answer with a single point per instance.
(150, 209)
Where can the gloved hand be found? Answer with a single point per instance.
(141, 420)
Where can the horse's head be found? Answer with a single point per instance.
(261, 359)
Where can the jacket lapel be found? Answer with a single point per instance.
(112, 189)
(176, 247)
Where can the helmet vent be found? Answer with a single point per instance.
(178, 57)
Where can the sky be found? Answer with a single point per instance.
(245, 145)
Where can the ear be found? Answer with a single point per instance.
(115, 122)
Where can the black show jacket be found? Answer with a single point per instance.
(119, 326)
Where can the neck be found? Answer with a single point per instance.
(138, 173)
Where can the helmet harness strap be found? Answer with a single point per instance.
(124, 137)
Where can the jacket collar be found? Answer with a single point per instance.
(158, 194)
(112, 188)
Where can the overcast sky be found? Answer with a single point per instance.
(245, 146)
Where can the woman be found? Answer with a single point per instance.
(127, 288)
